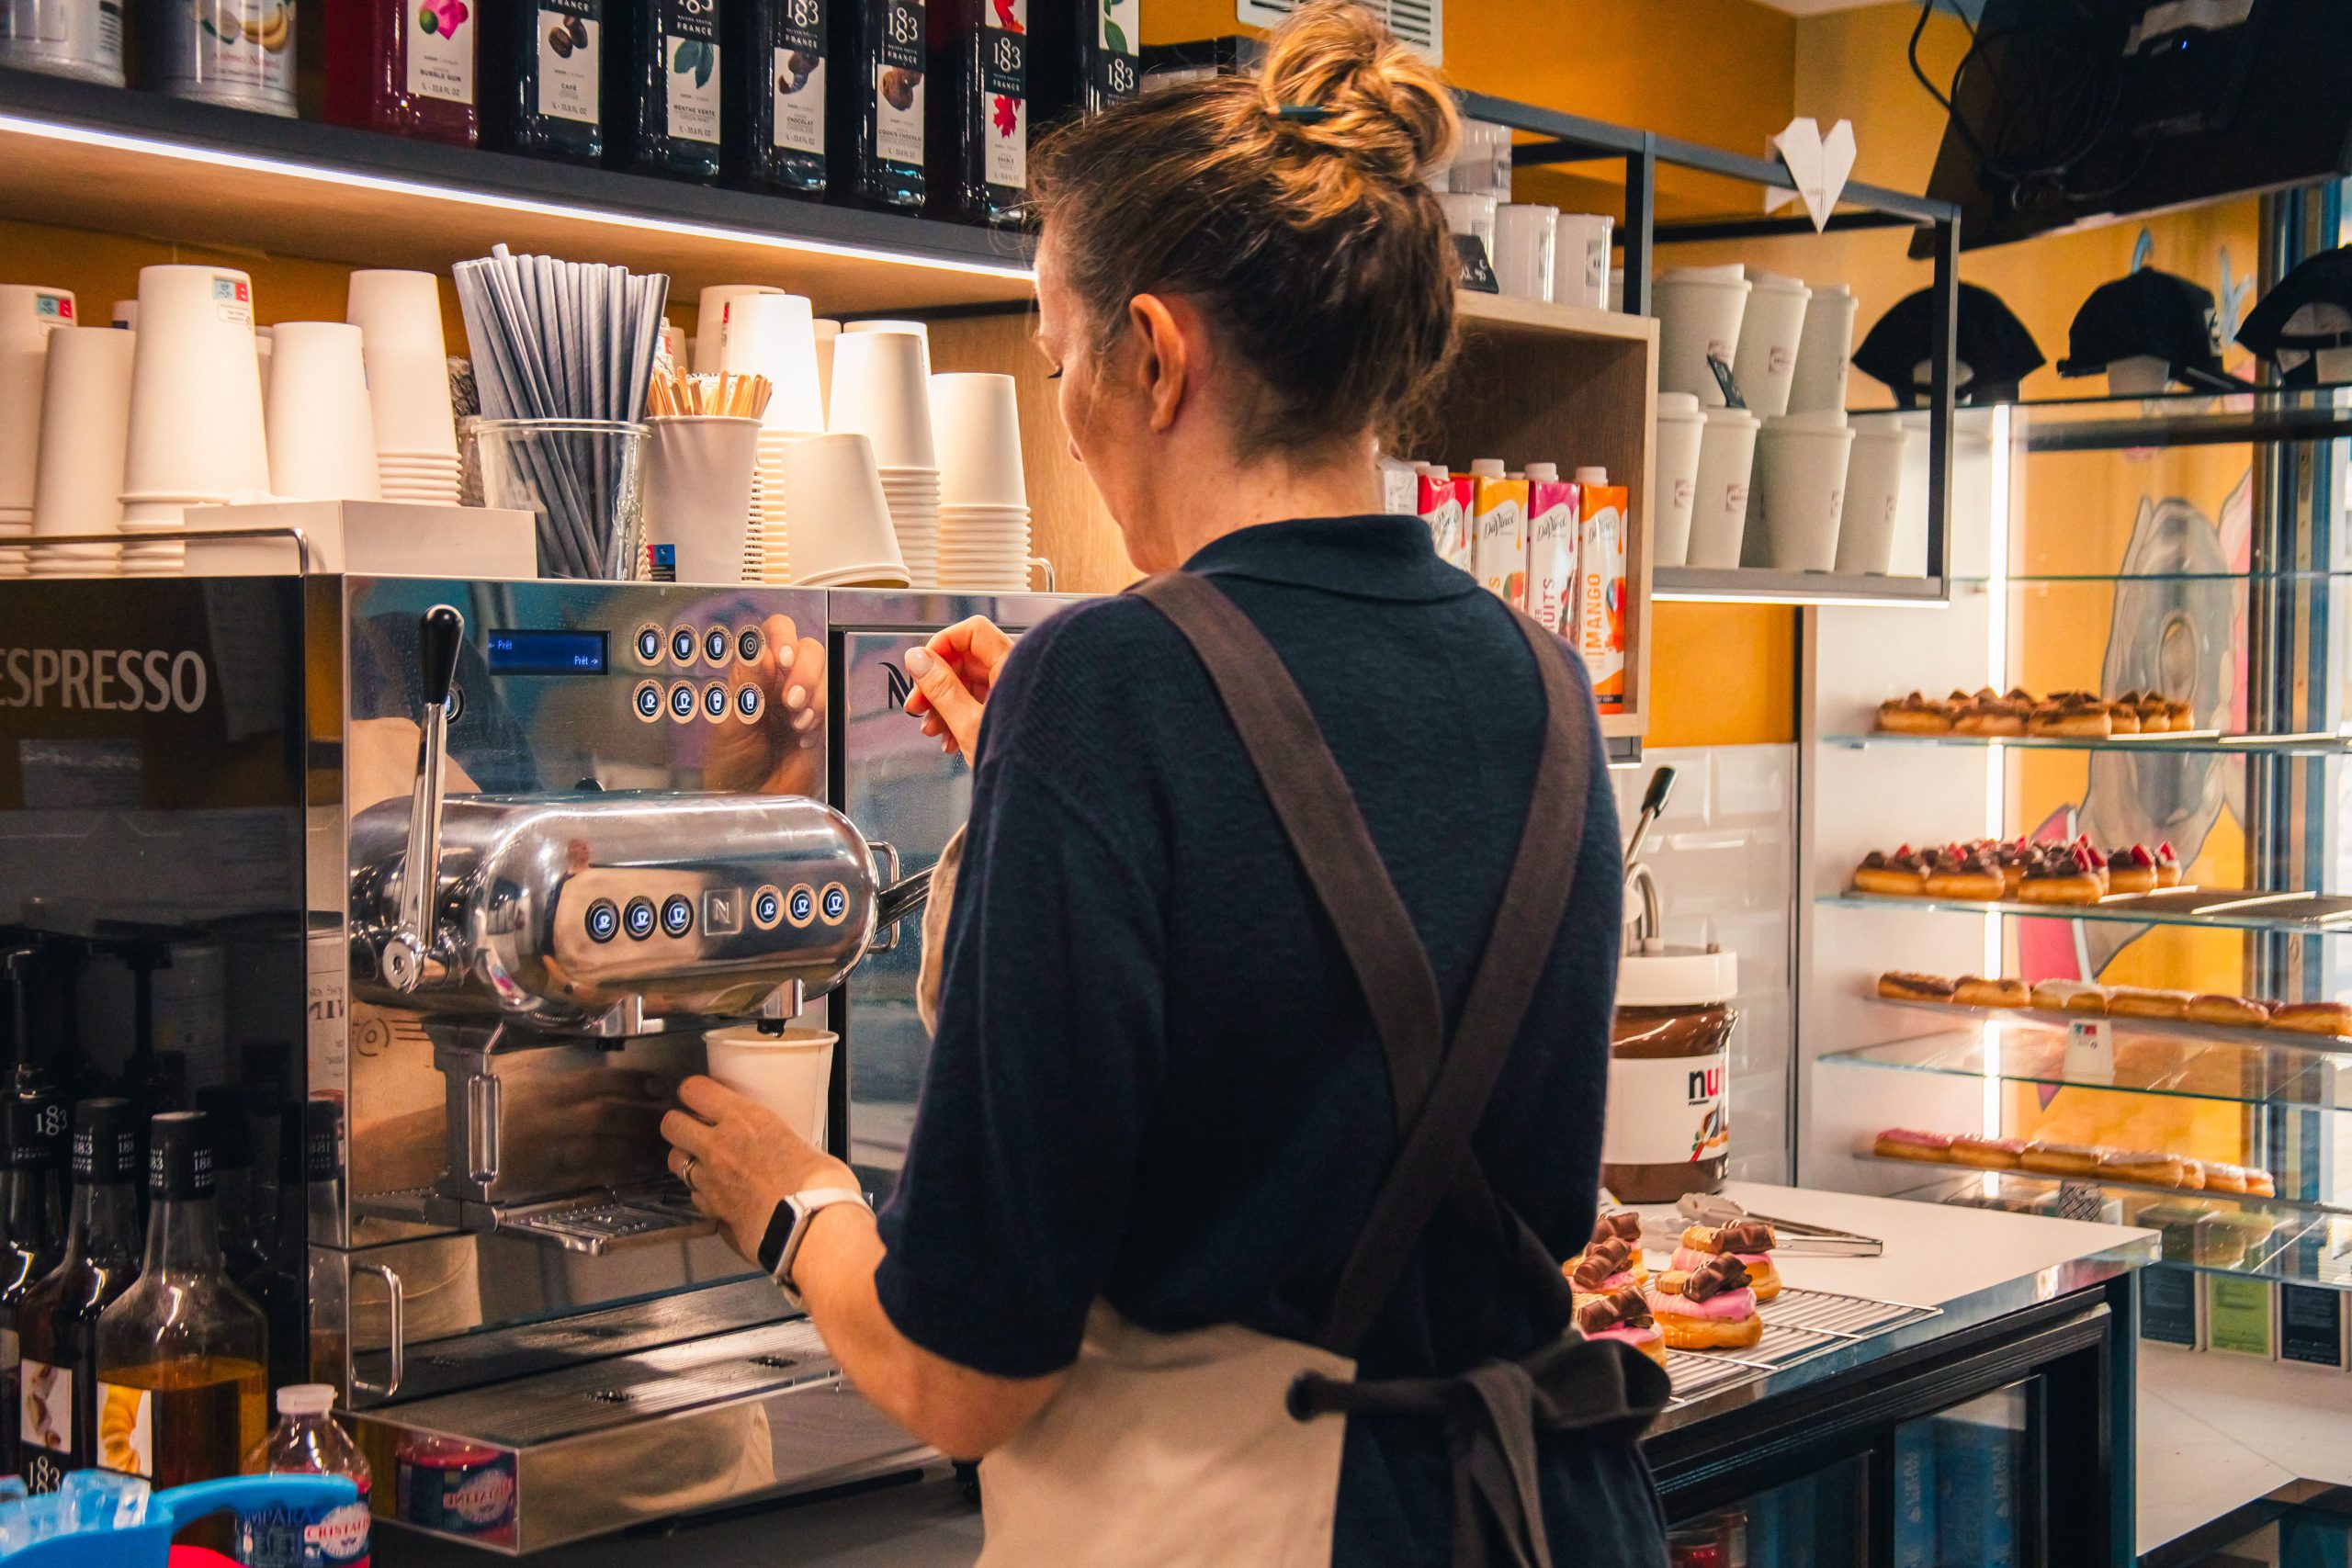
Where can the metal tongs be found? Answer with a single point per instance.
(1797, 1237)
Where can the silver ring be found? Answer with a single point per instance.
(686, 1173)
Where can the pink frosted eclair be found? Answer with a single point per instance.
(1710, 1308)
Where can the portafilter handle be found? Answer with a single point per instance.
(407, 954)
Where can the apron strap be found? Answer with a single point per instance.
(1440, 1094)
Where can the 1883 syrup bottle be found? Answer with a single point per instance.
(979, 110)
(776, 90)
(57, 1411)
(877, 101)
(663, 88)
(543, 79)
(34, 1211)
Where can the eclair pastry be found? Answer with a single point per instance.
(1625, 1317)
(1709, 1308)
(1750, 1241)
(1911, 1143)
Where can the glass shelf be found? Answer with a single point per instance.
(2318, 743)
(2211, 1233)
(2302, 914)
(2292, 1075)
(1955, 1013)
(2182, 419)
(2031, 578)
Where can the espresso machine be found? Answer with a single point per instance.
(476, 865)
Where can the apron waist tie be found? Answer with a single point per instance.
(1492, 1413)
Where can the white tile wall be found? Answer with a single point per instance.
(1726, 853)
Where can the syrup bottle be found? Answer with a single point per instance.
(979, 110)
(57, 1327)
(405, 66)
(543, 92)
(777, 89)
(876, 107)
(32, 1207)
(663, 91)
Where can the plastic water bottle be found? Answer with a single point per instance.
(306, 1441)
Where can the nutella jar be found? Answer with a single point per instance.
(1668, 1132)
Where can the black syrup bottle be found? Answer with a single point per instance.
(779, 80)
(663, 88)
(33, 1209)
(543, 89)
(979, 134)
(57, 1327)
(877, 101)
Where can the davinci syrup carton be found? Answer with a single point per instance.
(1600, 572)
(1441, 507)
(1499, 531)
(1553, 524)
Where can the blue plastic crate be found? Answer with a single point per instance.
(149, 1545)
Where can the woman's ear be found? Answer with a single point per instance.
(1170, 352)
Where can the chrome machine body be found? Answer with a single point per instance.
(638, 827)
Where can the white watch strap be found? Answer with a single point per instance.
(806, 1204)
(817, 1198)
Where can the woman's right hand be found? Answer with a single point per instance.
(952, 674)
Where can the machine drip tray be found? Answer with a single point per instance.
(591, 1222)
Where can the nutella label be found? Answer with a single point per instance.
(1668, 1110)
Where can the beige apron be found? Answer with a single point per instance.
(1217, 1448)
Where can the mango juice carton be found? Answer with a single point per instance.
(1552, 526)
(1600, 572)
(1499, 527)
(1443, 506)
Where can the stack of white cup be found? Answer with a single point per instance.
(768, 332)
(28, 318)
(843, 536)
(984, 499)
(710, 315)
(195, 437)
(321, 420)
(882, 391)
(1699, 311)
(399, 317)
(1801, 463)
(698, 473)
(1770, 330)
(828, 333)
(84, 421)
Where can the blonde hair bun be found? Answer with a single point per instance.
(1383, 108)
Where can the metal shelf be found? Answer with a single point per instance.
(1762, 585)
(2296, 914)
(2183, 418)
(2210, 740)
(2288, 1076)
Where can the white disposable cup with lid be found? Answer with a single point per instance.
(788, 1073)
(975, 430)
(1824, 352)
(1525, 252)
(1801, 462)
(1580, 250)
(1770, 330)
(710, 311)
(772, 335)
(84, 421)
(196, 415)
(1873, 495)
(698, 472)
(1720, 492)
(1682, 426)
(882, 391)
(840, 521)
(1699, 310)
(1470, 214)
(321, 433)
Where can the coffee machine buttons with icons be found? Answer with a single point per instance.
(833, 903)
(647, 700)
(718, 647)
(767, 908)
(640, 918)
(800, 907)
(684, 701)
(603, 920)
(648, 645)
(683, 643)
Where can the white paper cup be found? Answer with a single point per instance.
(84, 421)
(2141, 375)
(400, 311)
(839, 522)
(1801, 461)
(28, 315)
(828, 333)
(1873, 495)
(882, 391)
(1580, 260)
(1825, 351)
(1524, 249)
(772, 335)
(196, 415)
(919, 329)
(408, 395)
(698, 473)
(788, 1073)
(1699, 311)
(1470, 214)
(321, 432)
(1719, 494)
(1770, 330)
(976, 428)
(710, 310)
(1681, 424)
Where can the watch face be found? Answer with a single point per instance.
(779, 1232)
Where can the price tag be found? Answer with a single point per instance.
(2090, 1051)
(1477, 274)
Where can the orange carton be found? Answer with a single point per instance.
(1600, 569)
(1499, 527)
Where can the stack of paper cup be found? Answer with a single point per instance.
(828, 333)
(27, 317)
(769, 333)
(1801, 461)
(399, 317)
(1681, 427)
(984, 499)
(697, 492)
(1873, 494)
(842, 534)
(1719, 494)
(124, 314)
(1825, 353)
(322, 426)
(882, 391)
(918, 329)
(195, 437)
(710, 314)
(85, 420)
(1699, 311)
(1770, 332)
(264, 346)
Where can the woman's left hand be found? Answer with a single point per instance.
(745, 1160)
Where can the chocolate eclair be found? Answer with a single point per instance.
(1624, 1309)
(1603, 1266)
(1717, 1275)
(1623, 1224)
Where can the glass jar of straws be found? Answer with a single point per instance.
(582, 479)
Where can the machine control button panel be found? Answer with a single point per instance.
(639, 918)
(603, 920)
(646, 644)
(715, 703)
(748, 644)
(722, 911)
(684, 701)
(767, 908)
(800, 905)
(685, 641)
(718, 647)
(677, 915)
(833, 903)
(647, 700)
(750, 703)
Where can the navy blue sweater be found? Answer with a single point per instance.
(1155, 1080)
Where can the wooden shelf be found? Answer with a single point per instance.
(132, 163)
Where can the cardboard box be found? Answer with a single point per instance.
(375, 538)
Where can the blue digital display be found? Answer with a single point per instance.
(547, 653)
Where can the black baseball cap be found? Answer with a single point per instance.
(2149, 315)
(2308, 314)
(1994, 351)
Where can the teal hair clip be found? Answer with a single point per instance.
(1302, 114)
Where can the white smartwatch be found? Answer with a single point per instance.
(788, 1227)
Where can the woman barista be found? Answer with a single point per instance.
(1270, 1058)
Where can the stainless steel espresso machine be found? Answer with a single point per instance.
(648, 809)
